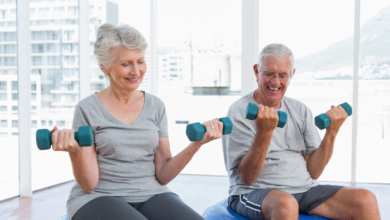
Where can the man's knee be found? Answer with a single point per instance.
(287, 204)
(280, 204)
(364, 199)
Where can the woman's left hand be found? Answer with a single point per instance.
(213, 131)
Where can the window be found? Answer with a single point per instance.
(61, 123)
(373, 140)
(15, 108)
(73, 11)
(33, 97)
(44, 12)
(3, 123)
(3, 108)
(3, 96)
(33, 124)
(3, 135)
(14, 85)
(43, 123)
(317, 69)
(15, 123)
(3, 85)
(33, 86)
(15, 96)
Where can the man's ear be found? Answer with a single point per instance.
(256, 70)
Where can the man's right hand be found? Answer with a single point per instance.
(266, 119)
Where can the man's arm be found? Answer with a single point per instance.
(317, 161)
(252, 162)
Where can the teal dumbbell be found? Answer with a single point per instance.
(84, 137)
(251, 113)
(195, 131)
(323, 121)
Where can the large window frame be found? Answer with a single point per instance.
(250, 41)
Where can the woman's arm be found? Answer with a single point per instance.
(84, 160)
(168, 167)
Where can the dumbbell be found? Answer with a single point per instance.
(84, 137)
(323, 121)
(252, 109)
(195, 131)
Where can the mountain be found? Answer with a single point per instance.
(336, 61)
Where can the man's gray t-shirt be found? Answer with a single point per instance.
(125, 153)
(284, 166)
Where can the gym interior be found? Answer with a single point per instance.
(199, 59)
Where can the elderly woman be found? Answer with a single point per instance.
(123, 175)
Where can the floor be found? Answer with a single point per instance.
(196, 190)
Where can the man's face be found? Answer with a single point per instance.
(273, 79)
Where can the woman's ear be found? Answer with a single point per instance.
(104, 69)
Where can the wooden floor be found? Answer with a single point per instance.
(197, 191)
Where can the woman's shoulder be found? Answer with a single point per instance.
(156, 101)
(88, 101)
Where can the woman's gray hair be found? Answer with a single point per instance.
(110, 36)
(276, 51)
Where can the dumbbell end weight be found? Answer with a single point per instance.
(195, 131)
(43, 137)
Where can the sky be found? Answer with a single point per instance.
(306, 26)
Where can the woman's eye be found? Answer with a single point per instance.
(125, 64)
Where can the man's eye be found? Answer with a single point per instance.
(282, 76)
(268, 74)
(141, 62)
(125, 64)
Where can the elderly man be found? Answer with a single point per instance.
(273, 171)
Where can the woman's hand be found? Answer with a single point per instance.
(63, 140)
(213, 131)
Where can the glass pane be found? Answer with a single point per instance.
(323, 49)
(374, 93)
(132, 12)
(198, 70)
(9, 156)
(54, 83)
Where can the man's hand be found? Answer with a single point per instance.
(337, 117)
(266, 119)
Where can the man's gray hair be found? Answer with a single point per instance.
(277, 51)
(110, 36)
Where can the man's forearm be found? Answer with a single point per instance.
(252, 162)
(320, 158)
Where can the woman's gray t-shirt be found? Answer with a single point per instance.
(125, 153)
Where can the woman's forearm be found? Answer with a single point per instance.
(176, 164)
(85, 169)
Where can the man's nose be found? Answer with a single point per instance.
(275, 80)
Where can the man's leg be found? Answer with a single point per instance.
(265, 204)
(349, 203)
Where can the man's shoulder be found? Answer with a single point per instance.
(292, 103)
(238, 107)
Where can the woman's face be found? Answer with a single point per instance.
(127, 70)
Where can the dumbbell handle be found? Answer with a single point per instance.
(252, 109)
(84, 138)
(196, 131)
(323, 121)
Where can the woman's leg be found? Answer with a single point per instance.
(168, 206)
(107, 208)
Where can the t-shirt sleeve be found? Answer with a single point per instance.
(79, 118)
(311, 135)
(163, 125)
(238, 142)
